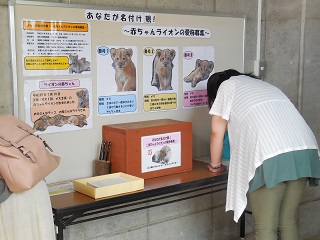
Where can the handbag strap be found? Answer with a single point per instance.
(26, 152)
(43, 141)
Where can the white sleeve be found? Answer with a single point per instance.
(222, 104)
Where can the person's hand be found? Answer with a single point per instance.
(216, 169)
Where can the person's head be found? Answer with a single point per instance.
(217, 78)
(214, 82)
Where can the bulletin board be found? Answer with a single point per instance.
(79, 67)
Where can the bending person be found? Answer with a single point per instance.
(273, 152)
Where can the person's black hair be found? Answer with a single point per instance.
(216, 79)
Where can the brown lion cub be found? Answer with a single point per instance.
(83, 98)
(201, 72)
(162, 69)
(125, 75)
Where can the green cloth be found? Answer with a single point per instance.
(287, 166)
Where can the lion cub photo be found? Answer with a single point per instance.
(162, 69)
(78, 65)
(125, 70)
(163, 155)
(83, 98)
(201, 72)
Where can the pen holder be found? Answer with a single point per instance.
(101, 167)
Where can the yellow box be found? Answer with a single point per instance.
(132, 184)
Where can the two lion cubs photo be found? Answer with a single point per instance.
(78, 65)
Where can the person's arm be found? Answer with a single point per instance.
(218, 128)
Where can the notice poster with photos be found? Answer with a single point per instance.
(60, 49)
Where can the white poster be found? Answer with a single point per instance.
(117, 79)
(160, 78)
(55, 48)
(160, 151)
(198, 66)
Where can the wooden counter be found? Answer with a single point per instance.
(73, 208)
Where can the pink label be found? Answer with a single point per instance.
(195, 98)
(59, 84)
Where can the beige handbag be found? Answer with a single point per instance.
(24, 158)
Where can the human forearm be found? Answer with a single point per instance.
(216, 145)
(218, 128)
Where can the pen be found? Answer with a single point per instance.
(108, 151)
(102, 150)
(105, 143)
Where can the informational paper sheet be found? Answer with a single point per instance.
(55, 47)
(198, 66)
(58, 105)
(108, 182)
(60, 188)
